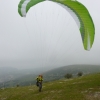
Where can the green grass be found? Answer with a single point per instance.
(81, 88)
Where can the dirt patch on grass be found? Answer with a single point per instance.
(93, 96)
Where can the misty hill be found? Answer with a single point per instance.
(59, 73)
(10, 73)
(11, 76)
(54, 74)
(82, 88)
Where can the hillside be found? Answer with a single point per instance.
(82, 88)
(54, 74)
(59, 73)
(8, 74)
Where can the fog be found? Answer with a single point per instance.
(47, 38)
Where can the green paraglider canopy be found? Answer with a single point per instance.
(78, 11)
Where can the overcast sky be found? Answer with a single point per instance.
(47, 37)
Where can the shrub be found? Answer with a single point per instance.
(68, 76)
(17, 85)
(79, 74)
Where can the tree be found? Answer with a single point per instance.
(17, 85)
(68, 76)
(79, 74)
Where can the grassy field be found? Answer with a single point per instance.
(81, 88)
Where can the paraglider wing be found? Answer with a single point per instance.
(78, 11)
(25, 5)
(82, 18)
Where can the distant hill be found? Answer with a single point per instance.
(81, 88)
(59, 73)
(10, 73)
(28, 77)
